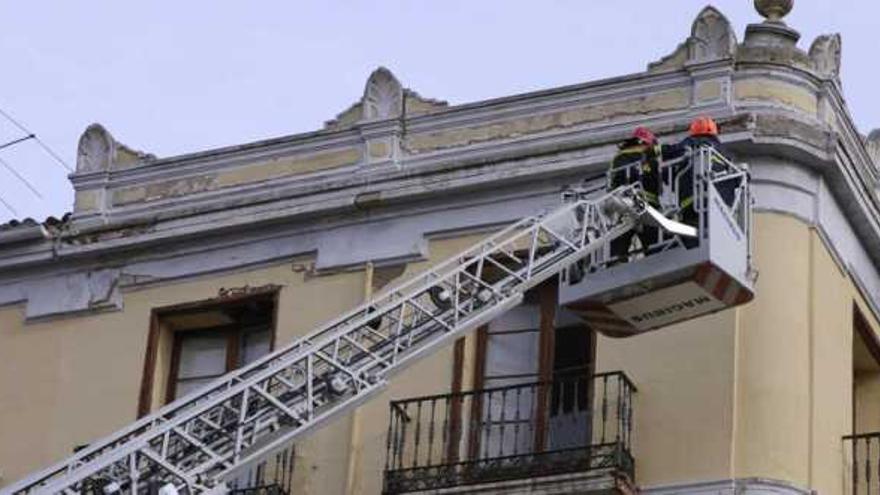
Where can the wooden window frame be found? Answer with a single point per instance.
(548, 300)
(455, 416)
(234, 334)
(145, 396)
(548, 303)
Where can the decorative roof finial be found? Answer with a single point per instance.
(774, 10)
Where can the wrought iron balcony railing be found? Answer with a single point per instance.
(572, 424)
(862, 458)
(273, 476)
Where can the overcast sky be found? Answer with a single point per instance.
(170, 77)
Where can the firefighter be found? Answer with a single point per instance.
(637, 161)
(703, 131)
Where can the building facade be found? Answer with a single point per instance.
(172, 271)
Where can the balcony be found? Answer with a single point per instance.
(274, 476)
(575, 431)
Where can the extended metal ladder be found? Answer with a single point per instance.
(192, 445)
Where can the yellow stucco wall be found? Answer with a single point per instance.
(831, 354)
(795, 361)
(773, 350)
(69, 381)
(761, 391)
(683, 408)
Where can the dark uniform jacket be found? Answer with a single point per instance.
(636, 162)
(673, 151)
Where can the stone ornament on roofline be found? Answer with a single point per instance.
(826, 52)
(96, 149)
(774, 10)
(712, 37)
(383, 95)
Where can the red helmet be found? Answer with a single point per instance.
(644, 135)
(704, 126)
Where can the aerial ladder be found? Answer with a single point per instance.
(199, 442)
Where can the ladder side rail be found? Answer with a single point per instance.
(237, 389)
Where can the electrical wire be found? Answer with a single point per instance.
(24, 181)
(8, 206)
(16, 141)
(39, 141)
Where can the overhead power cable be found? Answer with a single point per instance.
(16, 141)
(39, 141)
(24, 181)
(8, 206)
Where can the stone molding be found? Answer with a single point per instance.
(228, 160)
(384, 140)
(872, 142)
(604, 481)
(736, 486)
(787, 186)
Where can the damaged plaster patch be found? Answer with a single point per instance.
(245, 174)
(165, 189)
(286, 167)
(102, 286)
(643, 105)
(74, 293)
(785, 93)
(246, 291)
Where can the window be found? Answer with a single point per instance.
(535, 342)
(571, 370)
(192, 344)
(512, 347)
(570, 421)
(203, 355)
